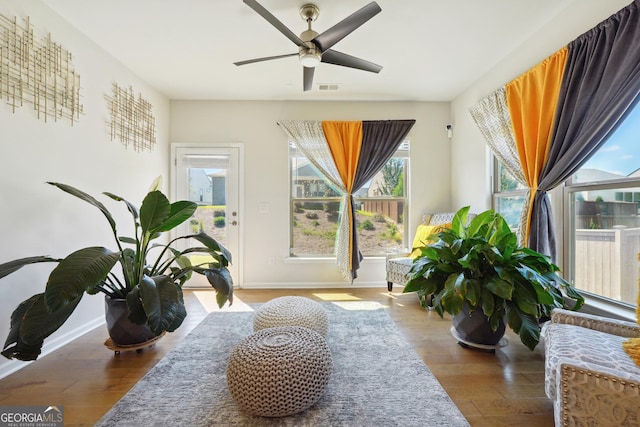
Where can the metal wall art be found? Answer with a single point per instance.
(37, 72)
(132, 121)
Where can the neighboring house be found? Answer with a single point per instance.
(596, 175)
(207, 186)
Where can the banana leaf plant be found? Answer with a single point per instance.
(481, 265)
(149, 275)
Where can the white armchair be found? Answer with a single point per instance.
(399, 264)
(590, 378)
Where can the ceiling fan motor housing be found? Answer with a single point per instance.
(314, 48)
(310, 56)
(309, 12)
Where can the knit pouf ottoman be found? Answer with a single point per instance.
(279, 371)
(292, 311)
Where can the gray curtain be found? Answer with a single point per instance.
(600, 86)
(380, 140)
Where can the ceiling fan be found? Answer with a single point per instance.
(314, 48)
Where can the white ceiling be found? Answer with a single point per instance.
(431, 50)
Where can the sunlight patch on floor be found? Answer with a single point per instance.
(359, 305)
(342, 296)
(393, 297)
(208, 301)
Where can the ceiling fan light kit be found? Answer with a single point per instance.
(310, 58)
(314, 48)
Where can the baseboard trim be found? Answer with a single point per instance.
(10, 366)
(314, 285)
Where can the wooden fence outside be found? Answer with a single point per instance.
(389, 208)
(606, 262)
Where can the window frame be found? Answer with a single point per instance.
(496, 192)
(569, 261)
(403, 152)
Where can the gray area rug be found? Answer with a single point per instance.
(377, 379)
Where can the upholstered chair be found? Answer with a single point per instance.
(588, 375)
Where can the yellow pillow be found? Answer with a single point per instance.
(426, 234)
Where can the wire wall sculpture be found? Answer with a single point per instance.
(132, 121)
(37, 72)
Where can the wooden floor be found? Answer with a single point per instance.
(501, 389)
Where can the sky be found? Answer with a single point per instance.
(621, 153)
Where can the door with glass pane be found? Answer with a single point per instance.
(209, 176)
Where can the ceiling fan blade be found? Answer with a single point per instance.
(307, 78)
(338, 58)
(275, 22)
(266, 58)
(339, 31)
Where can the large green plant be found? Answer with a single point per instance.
(482, 265)
(152, 287)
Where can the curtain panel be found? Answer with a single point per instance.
(600, 85)
(562, 111)
(349, 154)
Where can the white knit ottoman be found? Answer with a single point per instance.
(279, 371)
(292, 311)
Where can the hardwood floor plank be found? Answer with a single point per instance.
(501, 389)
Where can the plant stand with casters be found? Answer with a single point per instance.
(139, 347)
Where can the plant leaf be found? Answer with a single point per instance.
(525, 325)
(154, 211)
(500, 287)
(11, 266)
(459, 221)
(179, 212)
(487, 302)
(80, 271)
(214, 245)
(130, 206)
(134, 304)
(478, 221)
(160, 300)
(181, 313)
(222, 282)
(31, 323)
(89, 199)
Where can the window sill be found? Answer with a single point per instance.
(601, 307)
(325, 260)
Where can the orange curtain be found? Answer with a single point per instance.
(345, 141)
(532, 99)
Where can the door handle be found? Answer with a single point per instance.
(234, 222)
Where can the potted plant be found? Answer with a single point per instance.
(479, 269)
(150, 286)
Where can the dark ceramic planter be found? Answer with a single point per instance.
(474, 328)
(121, 330)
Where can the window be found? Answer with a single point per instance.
(509, 195)
(381, 207)
(603, 236)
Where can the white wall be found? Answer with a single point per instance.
(38, 219)
(470, 170)
(266, 176)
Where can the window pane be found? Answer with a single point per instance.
(606, 242)
(380, 226)
(307, 181)
(381, 207)
(618, 158)
(510, 207)
(507, 182)
(314, 227)
(388, 182)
